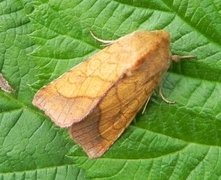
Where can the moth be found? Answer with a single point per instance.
(97, 99)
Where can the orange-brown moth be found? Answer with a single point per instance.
(99, 98)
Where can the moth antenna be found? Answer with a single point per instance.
(105, 42)
(164, 98)
(177, 58)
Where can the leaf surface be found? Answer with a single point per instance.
(40, 40)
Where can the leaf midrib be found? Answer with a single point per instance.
(37, 169)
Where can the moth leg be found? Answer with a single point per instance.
(164, 98)
(105, 42)
(178, 58)
(145, 105)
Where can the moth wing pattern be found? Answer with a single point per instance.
(99, 98)
(76, 93)
(98, 131)
(73, 96)
(67, 99)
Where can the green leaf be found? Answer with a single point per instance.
(31, 147)
(42, 39)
